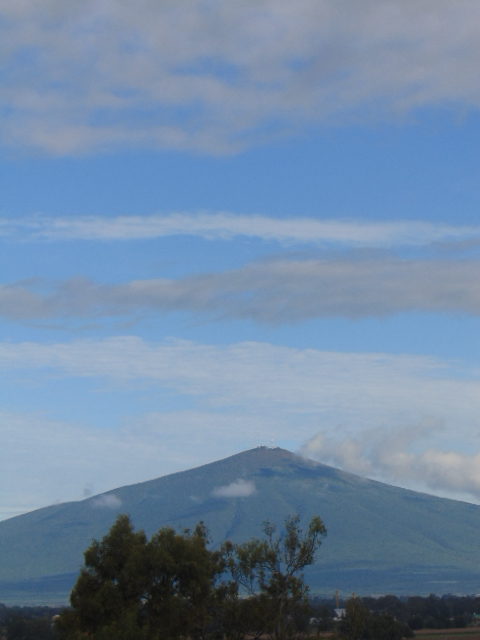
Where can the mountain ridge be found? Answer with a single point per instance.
(380, 537)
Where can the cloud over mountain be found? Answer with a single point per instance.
(107, 501)
(230, 396)
(403, 455)
(240, 488)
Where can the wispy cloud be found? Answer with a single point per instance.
(268, 379)
(106, 501)
(207, 76)
(402, 456)
(226, 226)
(273, 292)
(239, 395)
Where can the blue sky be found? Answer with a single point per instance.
(225, 225)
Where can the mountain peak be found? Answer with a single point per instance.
(273, 454)
(373, 528)
(266, 453)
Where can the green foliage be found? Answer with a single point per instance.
(134, 589)
(270, 572)
(20, 628)
(432, 612)
(173, 586)
(355, 624)
(184, 587)
(112, 583)
(361, 624)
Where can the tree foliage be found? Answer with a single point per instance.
(132, 588)
(270, 571)
(173, 586)
(361, 624)
(18, 627)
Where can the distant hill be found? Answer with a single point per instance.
(381, 539)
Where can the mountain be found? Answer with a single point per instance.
(381, 539)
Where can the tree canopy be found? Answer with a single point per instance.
(360, 623)
(175, 586)
(270, 569)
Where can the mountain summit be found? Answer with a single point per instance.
(380, 538)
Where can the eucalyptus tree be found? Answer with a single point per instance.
(270, 571)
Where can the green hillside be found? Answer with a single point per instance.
(380, 538)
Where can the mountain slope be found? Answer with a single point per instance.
(380, 538)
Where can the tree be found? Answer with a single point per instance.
(185, 587)
(354, 625)
(134, 589)
(23, 628)
(270, 570)
(361, 624)
(173, 586)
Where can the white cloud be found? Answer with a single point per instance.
(260, 377)
(208, 75)
(239, 395)
(402, 455)
(240, 488)
(225, 226)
